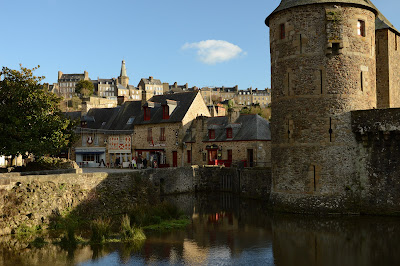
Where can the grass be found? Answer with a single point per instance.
(131, 232)
(168, 225)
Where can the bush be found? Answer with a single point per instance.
(100, 230)
(129, 232)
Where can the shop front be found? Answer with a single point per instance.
(154, 157)
(90, 157)
(119, 150)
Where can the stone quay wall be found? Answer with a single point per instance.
(33, 200)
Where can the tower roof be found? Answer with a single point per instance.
(285, 4)
(123, 69)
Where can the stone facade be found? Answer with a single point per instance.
(388, 67)
(321, 70)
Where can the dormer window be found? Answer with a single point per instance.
(229, 133)
(165, 114)
(146, 113)
(130, 120)
(361, 28)
(211, 134)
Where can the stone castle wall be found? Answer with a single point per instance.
(321, 70)
(378, 155)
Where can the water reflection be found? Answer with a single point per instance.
(227, 230)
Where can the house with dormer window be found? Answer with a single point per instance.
(229, 140)
(161, 125)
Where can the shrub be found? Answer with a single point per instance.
(129, 232)
(100, 230)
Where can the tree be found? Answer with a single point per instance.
(84, 88)
(30, 119)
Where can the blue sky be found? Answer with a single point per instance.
(203, 43)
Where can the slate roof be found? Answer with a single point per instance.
(99, 118)
(154, 82)
(184, 101)
(72, 76)
(114, 120)
(245, 127)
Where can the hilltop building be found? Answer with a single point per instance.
(66, 83)
(329, 59)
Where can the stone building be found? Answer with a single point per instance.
(161, 125)
(231, 140)
(66, 83)
(251, 97)
(150, 87)
(328, 58)
(152, 129)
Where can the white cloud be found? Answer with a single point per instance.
(215, 51)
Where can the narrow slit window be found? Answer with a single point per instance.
(330, 129)
(301, 44)
(361, 28)
(282, 31)
(288, 83)
(362, 81)
(315, 179)
(288, 132)
(321, 81)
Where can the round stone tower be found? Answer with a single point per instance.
(322, 68)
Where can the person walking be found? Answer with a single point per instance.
(133, 162)
(139, 162)
(144, 163)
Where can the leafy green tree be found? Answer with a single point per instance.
(74, 102)
(30, 119)
(84, 88)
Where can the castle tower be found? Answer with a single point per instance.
(123, 79)
(322, 67)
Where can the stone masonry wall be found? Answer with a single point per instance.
(34, 200)
(321, 70)
(378, 137)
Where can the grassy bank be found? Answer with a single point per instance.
(70, 229)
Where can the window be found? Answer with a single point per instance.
(162, 133)
(282, 31)
(165, 112)
(361, 28)
(335, 48)
(149, 134)
(211, 134)
(229, 155)
(189, 156)
(130, 120)
(362, 81)
(146, 113)
(229, 133)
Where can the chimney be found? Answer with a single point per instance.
(175, 85)
(233, 115)
(151, 79)
(59, 75)
(187, 86)
(86, 75)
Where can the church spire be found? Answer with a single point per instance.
(123, 69)
(123, 79)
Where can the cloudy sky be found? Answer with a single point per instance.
(203, 43)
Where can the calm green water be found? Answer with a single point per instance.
(227, 230)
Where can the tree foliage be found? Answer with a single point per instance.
(256, 109)
(84, 88)
(30, 119)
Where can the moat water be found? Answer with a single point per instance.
(227, 230)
